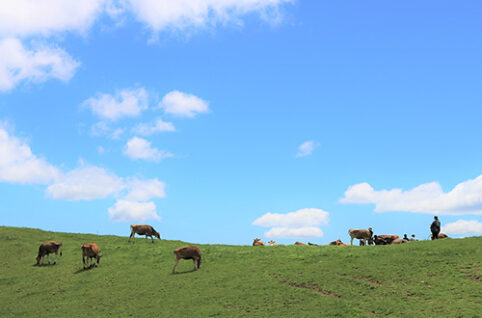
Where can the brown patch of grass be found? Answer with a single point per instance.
(313, 288)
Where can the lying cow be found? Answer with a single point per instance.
(299, 243)
(361, 235)
(89, 252)
(399, 241)
(48, 248)
(337, 243)
(388, 238)
(440, 236)
(272, 243)
(187, 252)
(257, 242)
(146, 230)
(381, 240)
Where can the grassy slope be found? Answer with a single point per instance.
(419, 279)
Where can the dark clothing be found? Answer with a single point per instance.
(435, 228)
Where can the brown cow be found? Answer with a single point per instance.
(48, 248)
(337, 243)
(299, 243)
(399, 241)
(257, 242)
(146, 230)
(272, 243)
(389, 238)
(440, 236)
(361, 235)
(188, 252)
(90, 251)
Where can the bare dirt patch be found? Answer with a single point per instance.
(313, 288)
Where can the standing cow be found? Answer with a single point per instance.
(48, 248)
(361, 235)
(187, 252)
(146, 230)
(89, 252)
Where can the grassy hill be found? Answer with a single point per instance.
(417, 279)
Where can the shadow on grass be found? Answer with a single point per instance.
(43, 265)
(186, 272)
(82, 270)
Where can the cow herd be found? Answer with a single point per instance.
(364, 236)
(91, 253)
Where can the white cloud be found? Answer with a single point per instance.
(306, 148)
(33, 17)
(19, 165)
(464, 198)
(158, 126)
(284, 232)
(463, 227)
(139, 148)
(39, 64)
(183, 105)
(162, 15)
(102, 128)
(85, 183)
(143, 190)
(302, 223)
(124, 210)
(124, 103)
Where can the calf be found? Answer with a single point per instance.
(272, 243)
(257, 242)
(48, 248)
(89, 252)
(361, 235)
(187, 252)
(146, 230)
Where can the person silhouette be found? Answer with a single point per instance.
(435, 228)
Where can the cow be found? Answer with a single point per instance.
(381, 240)
(48, 248)
(272, 243)
(399, 241)
(388, 238)
(361, 235)
(146, 230)
(312, 244)
(257, 242)
(299, 243)
(187, 252)
(440, 236)
(89, 252)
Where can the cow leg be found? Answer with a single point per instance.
(351, 242)
(174, 270)
(151, 238)
(49, 257)
(194, 262)
(56, 257)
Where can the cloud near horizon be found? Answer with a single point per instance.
(463, 227)
(465, 198)
(303, 223)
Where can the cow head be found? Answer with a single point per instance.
(98, 258)
(156, 234)
(38, 259)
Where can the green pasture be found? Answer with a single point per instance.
(417, 279)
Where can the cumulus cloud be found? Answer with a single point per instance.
(143, 190)
(161, 15)
(139, 148)
(148, 129)
(124, 210)
(302, 223)
(36, 64)
(19, 165)
(33, 17)
(183, 105)
(124, 103)
(463, 227)
(306, 148)
(464, 198)
(85, 183)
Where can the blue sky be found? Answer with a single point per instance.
(218, 121)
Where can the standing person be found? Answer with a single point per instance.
(435, 228)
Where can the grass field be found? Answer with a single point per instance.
(417, 279)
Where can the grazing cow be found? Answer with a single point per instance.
(361, 235)
(257, 242)
(89, 252)
(146, 230)
(48, 248)
(272, 243)
(187, 252)
(440, 236)
(299, 243)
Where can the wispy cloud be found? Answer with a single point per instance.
(464, 198)
(306, 148)
(157, 126)
(302, 223)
